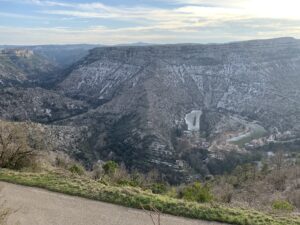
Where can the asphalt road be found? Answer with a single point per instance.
(36, 206)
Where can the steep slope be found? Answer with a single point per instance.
(230, 77)
(51, 138)
(177, 108)
(42, 65)
(37, 104)
(243, 91)
(9, 73)
(62, 55)
(24, 66)
(21, 71)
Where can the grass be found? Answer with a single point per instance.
(138, 198)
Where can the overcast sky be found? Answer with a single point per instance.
(152, 21)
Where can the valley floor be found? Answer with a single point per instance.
(36, 206)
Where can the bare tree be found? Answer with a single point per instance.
(15, 149)
(278, 160)
(279, 177)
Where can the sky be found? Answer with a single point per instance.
(109, 22)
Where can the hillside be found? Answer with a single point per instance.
(182, 109)
(142, 96)
(23, 65)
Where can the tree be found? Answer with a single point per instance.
(278, 160)
(279, 178)
(15, 149)
(265, 169)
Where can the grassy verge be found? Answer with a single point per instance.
(136, 198)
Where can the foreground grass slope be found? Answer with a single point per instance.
(138, 198)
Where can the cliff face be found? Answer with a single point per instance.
(19, 66)
(259, 79)
(159, 106)
(38, 65)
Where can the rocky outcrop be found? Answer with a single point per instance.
(20, 66)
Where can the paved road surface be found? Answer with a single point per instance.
(40, 207)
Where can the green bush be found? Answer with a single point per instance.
(282, 205)
(110, 167)
(159, 188)
(197, 192)
(77, 169)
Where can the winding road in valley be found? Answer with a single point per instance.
(36, 206)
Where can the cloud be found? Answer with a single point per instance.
(280, 9)
(177, 21)
(48, 3)
(177, 18)
(233, 30)
(186, 13)
(19, 16)
(219, 3)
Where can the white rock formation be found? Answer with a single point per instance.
(192, 120)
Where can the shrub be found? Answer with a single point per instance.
(172, 192)
(138, 179)
(62, 161)
(77, 169)
(279, 180)
(159, 188)
(282, 205)
(197, 192)
(126, 182)
(110, 167)
(97, 172)
(224, 192)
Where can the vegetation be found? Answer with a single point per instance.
(258, 186)
(15, 150)
(77, 169)
(282, 205)
(216, 200)
(197, 192)
(136, 197)
(110, 167)
(159, 188)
